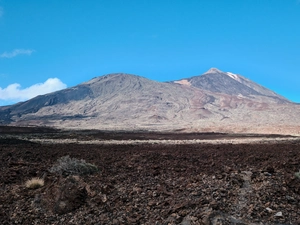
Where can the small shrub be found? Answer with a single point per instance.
(34, 183)
(71, 166)
(297, 174)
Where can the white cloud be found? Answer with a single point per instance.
(16, 52)
(15, 93)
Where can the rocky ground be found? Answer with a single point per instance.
(150, 183)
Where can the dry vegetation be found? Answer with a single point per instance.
(34, 183)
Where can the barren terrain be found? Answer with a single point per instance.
(216, 101)
(150, 178)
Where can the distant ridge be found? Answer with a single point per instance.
(215, 101)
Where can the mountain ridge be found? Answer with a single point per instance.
(215, 101)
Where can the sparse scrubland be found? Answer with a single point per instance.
(71, 166)
(148, 183)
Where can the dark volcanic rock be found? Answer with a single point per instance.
(64, 195)
(153, 184)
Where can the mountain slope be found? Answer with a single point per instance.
(215, 80)
(215, 101)
(118, 97)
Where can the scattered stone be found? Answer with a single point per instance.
(269, 210)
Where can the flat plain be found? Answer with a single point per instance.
(150, 178)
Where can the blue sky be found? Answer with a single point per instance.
(49, 45)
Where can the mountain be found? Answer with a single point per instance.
(229, 83)
(215, 101)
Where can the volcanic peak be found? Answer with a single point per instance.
(213, 70)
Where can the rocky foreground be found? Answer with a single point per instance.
(150, 183)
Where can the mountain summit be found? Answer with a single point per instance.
(214, 101)
(215, 80)
(213, 71)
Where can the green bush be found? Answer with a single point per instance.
(71, 166)
(297, 174)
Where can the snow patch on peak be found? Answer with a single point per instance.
(233, 76)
